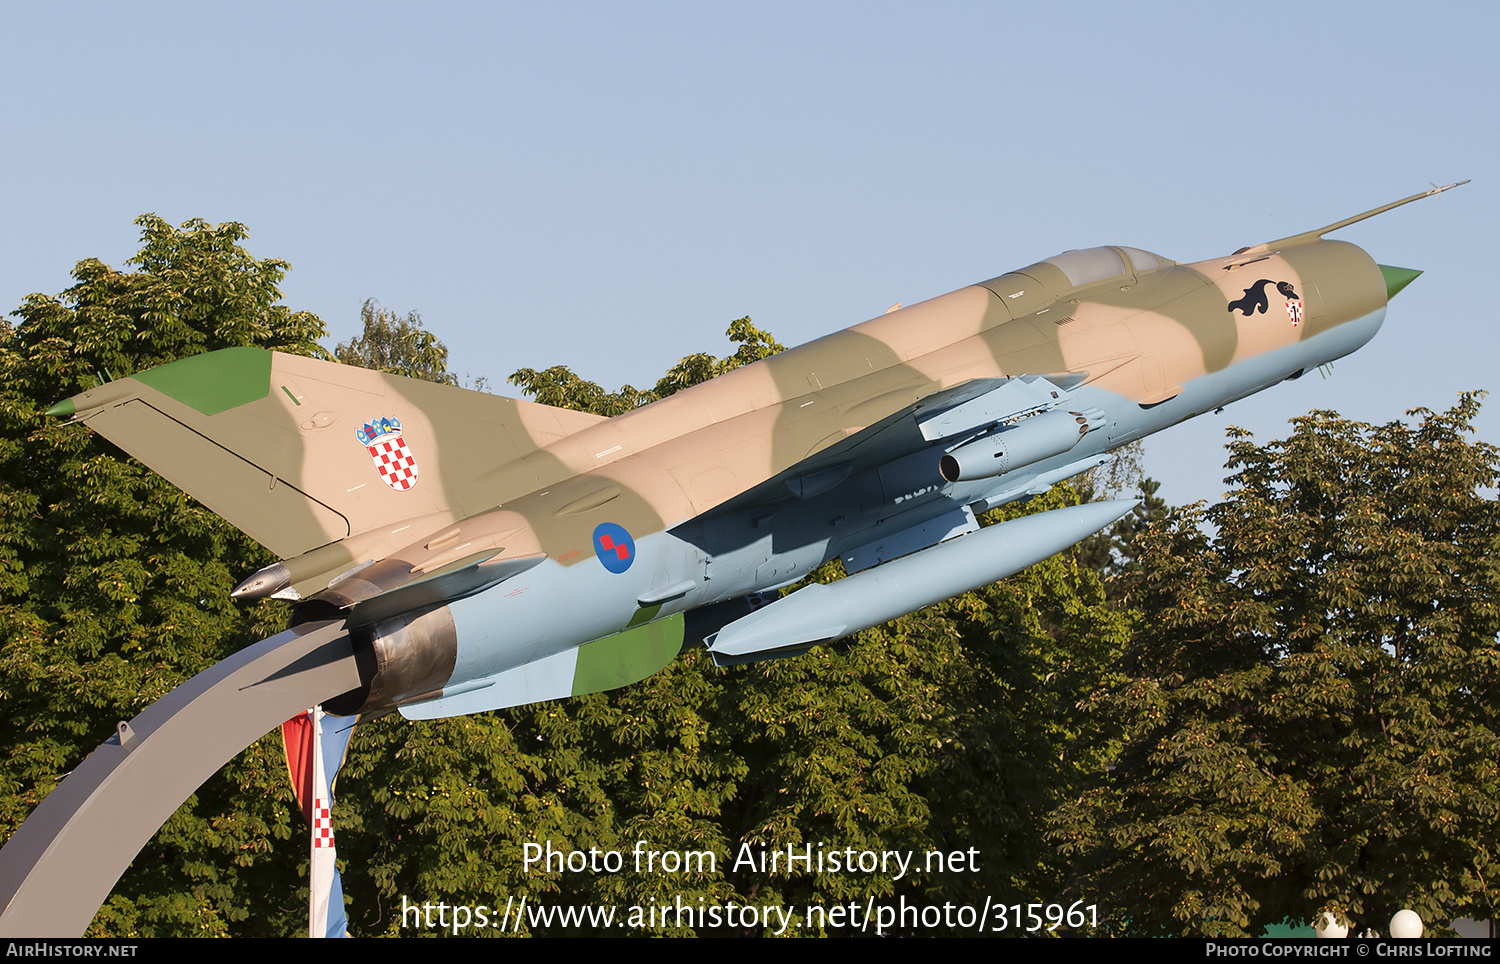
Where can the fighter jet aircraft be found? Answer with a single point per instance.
(485, 552)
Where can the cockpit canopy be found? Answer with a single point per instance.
(1033, 288)
(1089, 265)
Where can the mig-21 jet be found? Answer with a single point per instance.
(483, 552)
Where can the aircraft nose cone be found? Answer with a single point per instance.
(1396, 279)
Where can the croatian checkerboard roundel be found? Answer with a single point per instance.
(382, 438)
(614, 547)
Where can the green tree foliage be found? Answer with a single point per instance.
(560, 387)
(113, 584)
(1113, 551)
(754, 345)
(401, 346)
(1121, 475)
(1308, 708)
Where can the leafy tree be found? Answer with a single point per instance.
(401, 346)
(1112, 553)
(1308, 707)
(1035, 646)
(1121, 475)
(560, 387)
(754, 345)
(113, 584)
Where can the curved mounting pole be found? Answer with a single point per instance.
(60, 865)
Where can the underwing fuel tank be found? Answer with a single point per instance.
(824, 612)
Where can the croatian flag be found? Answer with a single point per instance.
(315, 746)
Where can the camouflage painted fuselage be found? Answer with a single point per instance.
(1156, 341)
(489, 552)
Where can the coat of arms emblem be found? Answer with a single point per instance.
(392, 458)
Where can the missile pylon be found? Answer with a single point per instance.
(821, 613)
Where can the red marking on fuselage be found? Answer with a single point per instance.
(622, 552)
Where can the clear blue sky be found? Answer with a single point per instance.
(606, 185)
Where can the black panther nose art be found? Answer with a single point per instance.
(1255, 297)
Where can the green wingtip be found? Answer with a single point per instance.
(215, 381)
(1396, 279)
(63, 408)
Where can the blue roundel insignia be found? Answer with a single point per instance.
(614, 547)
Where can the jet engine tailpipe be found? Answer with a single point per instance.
(402, 659)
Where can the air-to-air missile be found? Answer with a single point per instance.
(483, 552)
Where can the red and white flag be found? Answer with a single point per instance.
(314, 753)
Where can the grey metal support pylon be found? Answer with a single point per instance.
(60, 865)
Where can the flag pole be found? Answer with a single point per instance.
(323, 866)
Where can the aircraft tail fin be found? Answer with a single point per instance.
(298, 453)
